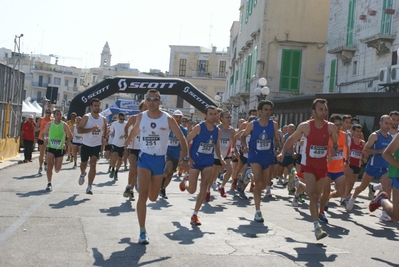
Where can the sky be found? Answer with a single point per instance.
(138, 32)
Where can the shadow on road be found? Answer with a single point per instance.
(250, 230)
(116, 211)
(28, 176)
(159, 204)
(185, 235)
(313, 255)
(34, 193)
(69, 202)
(383, 232)
(384, 261)
(130, 256)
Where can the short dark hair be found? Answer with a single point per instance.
(252, 110)
(251, 118)
(356, 126)
(265, 102)
(155, 91)
(93, 100)
(355, 119)
(335, 117)
(344, 117)
(318, 100)
(121, 114)
(208, 108)
(74, 114)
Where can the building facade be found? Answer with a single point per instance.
(283, 41)
(205, 68)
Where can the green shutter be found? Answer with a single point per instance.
(332, 76)
(290, 75)
(246, 11)
(351, 23)
(386, 19)
(255, 61)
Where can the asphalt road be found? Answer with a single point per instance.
(66, 227)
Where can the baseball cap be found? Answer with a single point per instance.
(177, 113)
(30, 116)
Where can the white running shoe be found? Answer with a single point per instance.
(385, 217)
(350, 204)
(82, 179)
(294, 202)
(214, 187)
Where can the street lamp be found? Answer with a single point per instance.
(217, 98)
(192, 111)
(262, 91)
(45, 104)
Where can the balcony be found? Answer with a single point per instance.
(379, 43)
(337, 45)
(39, 84)
(201, 73)
(219, 75)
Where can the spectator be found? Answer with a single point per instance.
(28, 136)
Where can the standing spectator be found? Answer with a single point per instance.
(28, 135)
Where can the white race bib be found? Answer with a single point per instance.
(263, 144)
(357, 154)
(205, 148)
(224, 142)
(152, 142)
(339, 154)
(173, 141)
(55, 143)
(317, 151)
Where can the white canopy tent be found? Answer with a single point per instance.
(37, 106)
(29, 109)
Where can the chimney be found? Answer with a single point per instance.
(214, 49)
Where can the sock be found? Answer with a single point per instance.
(129, 185)
(116, 172)
(382, 201)
(342, 199)
(113, 168)
(321, 211)
(195, 213)
(257, 211)
(316, 224)
(377, 187)
(268, 188)
(142, 229)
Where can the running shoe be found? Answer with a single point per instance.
(162, 193)
(371, 192)
(40, 171)
(131, 196)
(74, 167)
(323, 218)
(195, 220)
(342, 203)
(49, 186)
(234, 184)
(82, 179)
(385, 217)
(280, 181)
(125, 168)
(319, 233)
(376, 202)
(294, 202)
(242, 195)
(350, 204)
(182, 185)
(300, 199)
(116, 176)
(221, 191)
(258, 217)
(126, 193)
(88, 190)
(239, 183)
(326, 208)
(68, 158)
(143, 238)
(268, 193)
(214, 186)
(112, 173)
(208, 196)
(251, 188)
(71, 159)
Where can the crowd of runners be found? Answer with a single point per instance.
(318, 160)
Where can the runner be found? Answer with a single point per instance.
(376, 167)
(56, 130)
(288, 161)
(117, 129)
(335, 167)
(41, 142)
(76, 141)
(153, 125)
(264, 137)
(93, 127)
(172, 154)
(317, 132)
(134, 151)
(236, 157)
(206, 138)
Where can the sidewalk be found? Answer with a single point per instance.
(17, 160)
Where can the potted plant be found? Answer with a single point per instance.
(362, 17)
(389, 11)
(372, 12)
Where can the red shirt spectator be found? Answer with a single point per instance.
(27, 129)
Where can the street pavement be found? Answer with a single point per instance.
(66, 227)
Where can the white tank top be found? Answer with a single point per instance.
(225, 139)
(154, 134)
(118, 130)
(93, 139)
(77, 138)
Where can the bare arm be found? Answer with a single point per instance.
(218, 151)
(297, 135)
(244, 135)
(68, 132)
(82, 124)
(194, 132)
(276, 141)
(45, 130)
(390, 150)
(367, 150)
(134, 131)
(130, 122)
(179, 135)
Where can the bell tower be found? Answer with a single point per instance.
(106, 56)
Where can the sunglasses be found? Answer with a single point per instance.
(228, 117)
(154, 99)
(184, 121)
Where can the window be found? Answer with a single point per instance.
(202, 68)
(66, 82)
(241, 17)
(58, 97)
(351, 23)
(65, 98)
(75, 81)
(246, 11)
(332, 76)
(57, 81)
(179, 102)
(255, 2)
(250, 5)
(182, 67)
(40, 81)
(249, 72)
(39, 96)
(290, 70)
(222, 68)
(255, 61)
(386, 19)
(354, 69)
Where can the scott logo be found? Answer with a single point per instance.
(95, 93)
(122, 84)
(186, 89)
(84, 99)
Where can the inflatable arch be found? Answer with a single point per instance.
(140, 85)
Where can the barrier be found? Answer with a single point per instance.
(9, 148)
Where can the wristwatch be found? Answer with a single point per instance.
(185, 158)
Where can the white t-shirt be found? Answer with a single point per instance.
(118, 130)
(93, 139)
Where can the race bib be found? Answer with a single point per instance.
(317, 151)
(357, 154)
(224, 142)
(55, 143)
(205, 148)
(339, 154)
(152, 142)
(263, 144)
(97, 133)
(173, 141)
